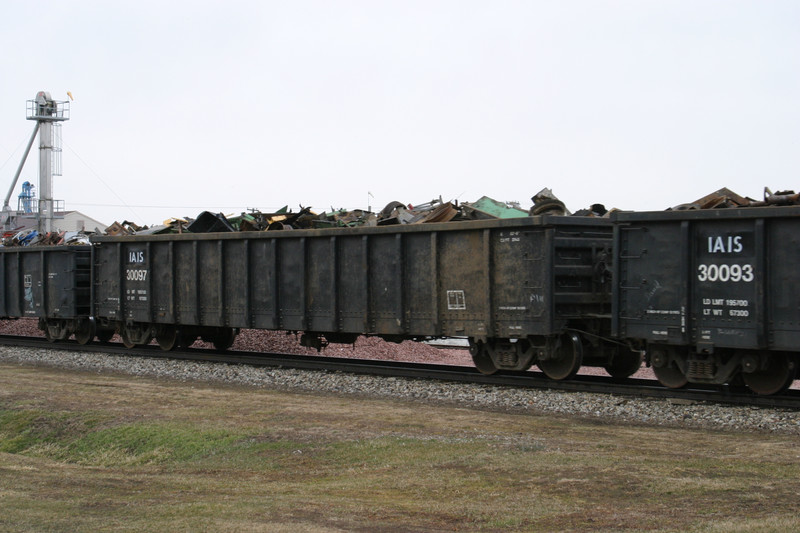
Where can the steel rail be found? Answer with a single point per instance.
(640, 388)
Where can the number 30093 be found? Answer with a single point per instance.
(725, 273)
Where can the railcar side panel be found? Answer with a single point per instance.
(45, 282)
(420, 260)
(185, 278)
(4, 296)
(710, 279)
(385, 283)
(478, 279)
(13, 285)
(210, 287)
(464, 288)
(353, 268)
(107, 301)
(34, 267)
(727, 277)
(521, 282)
(134, 281)
(291, 273)
(321, 281)
(651, 283)
(783, 284)
(162, 294)
(235, 283)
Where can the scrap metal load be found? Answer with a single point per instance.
(434, 211)
(30, 237)
(725, 198)
(485, 208)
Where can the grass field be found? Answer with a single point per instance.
(88, 452)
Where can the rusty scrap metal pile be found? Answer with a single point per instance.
(725, 198)
(30, 237)
(544, 203)
(436, 210)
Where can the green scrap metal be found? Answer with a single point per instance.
(486, 207)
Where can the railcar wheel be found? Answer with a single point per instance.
(567, 358)
(224, 338)
(670, 376)
(624, 363)
(666, 370)
(168, 338)
(136, 333)
(481, 358)
(777, 376)
(85, 333)
(126, 338)
(54, 330)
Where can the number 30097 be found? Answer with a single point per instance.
(136, 275)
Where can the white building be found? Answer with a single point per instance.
(63, 221)
(77, 221)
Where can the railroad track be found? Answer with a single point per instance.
(640, 388)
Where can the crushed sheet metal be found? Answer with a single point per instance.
(725, 198)
(546, 203)
(486, 207)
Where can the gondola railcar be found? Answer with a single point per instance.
(51, 283)
(713, 295)
(524, 291)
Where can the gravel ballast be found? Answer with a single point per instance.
(656, 412)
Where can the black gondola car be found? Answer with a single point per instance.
(51, 283)
(523, 291)
(713, 295)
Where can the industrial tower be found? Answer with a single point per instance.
(48, 114)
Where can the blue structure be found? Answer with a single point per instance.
(26, 198)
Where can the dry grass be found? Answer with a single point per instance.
(84, 452)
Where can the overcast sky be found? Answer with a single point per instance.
(186, 106)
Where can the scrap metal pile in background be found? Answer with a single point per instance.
(436, 210)
(29, 237)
